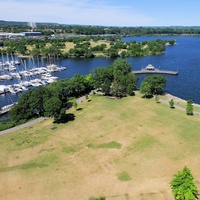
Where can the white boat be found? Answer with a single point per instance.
(3, 89)
(12, 90)
(25, 83)
(8, 106)
(17, 62)
(6, 77)
(50, 80)
(24, 88)
(11, 68)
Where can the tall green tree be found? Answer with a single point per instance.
(183, 187)
(171, 103)
(189, 108)
(53, 108)
(145, 88)
(153, 85)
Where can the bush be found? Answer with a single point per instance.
(183, 186)
(189, 109)
(7, 125)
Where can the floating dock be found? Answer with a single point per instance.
(152, 70)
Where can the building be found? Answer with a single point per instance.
(10, 35)
(31, 34)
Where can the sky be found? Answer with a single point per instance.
(104, 12)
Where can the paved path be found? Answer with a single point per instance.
(177, 106)
(81, 99)
(23, 125)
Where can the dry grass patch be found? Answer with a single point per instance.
(68, 46)
(148, 142)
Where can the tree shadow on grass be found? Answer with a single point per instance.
(66, 118)
(69, 105)
(147, 96)
(79, 109)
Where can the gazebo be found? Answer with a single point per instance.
(150, 67)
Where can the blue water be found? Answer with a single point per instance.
(184, 57)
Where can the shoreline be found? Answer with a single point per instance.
(177, 99)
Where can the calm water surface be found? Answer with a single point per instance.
(184, 57)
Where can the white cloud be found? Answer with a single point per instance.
(72, 12)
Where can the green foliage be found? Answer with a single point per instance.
(172, 42)
(116, 79)
(124, 176)
(75, 105)
(51, 100)
(7, 125)
(53, 107)
(171, 103)
(82, 46)
(153, 85)
(183, 187)
(145, 88)
(189, 108)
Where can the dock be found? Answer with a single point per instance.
(152, 70)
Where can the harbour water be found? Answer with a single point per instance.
(184, 57)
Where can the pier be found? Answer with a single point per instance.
(152, 70)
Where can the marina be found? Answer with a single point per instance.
(150, 69)
(25, 77)
(18, 77)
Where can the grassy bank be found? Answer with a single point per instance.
(119, 148)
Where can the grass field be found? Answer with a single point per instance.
(70, 45)
(123, 149)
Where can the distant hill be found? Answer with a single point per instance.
(10, 23)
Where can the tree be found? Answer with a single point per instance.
(182, 185)
(171, 103)
(145, 88)
(153, 85)
(106, 86)
(189, 108)
(75, 105)
(157, 98)
(53, 108)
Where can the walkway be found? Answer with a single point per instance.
(177, 106)
(81, 99)
(16, 128)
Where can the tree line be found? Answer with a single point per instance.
(52, 100)
(50, 28)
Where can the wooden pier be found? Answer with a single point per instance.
(152, 70)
